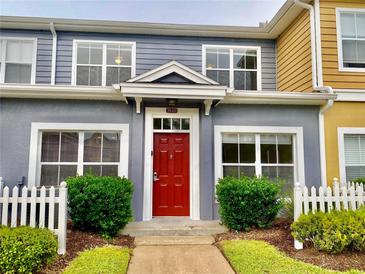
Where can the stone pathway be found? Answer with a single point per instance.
(177, 255)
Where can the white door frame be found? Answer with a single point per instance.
(193, 115)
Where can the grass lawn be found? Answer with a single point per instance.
(250, 256)
(100, 260)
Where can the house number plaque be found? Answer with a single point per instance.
(171, 110)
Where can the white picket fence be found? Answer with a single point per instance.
(349, 196)
(33, 209)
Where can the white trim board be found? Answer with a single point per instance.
(339, 39)
(35, 144)
(341, 131)
(193, 114)
(298, 143)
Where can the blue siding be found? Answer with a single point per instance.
(44, 52)
(153, 51)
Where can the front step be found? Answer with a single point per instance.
(173, 240)
(173, 226)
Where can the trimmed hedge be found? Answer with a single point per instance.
(333, 231)
(25, 249)
(100, 203)
(248, 202)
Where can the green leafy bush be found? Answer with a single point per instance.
(360, 180)
(100, 203)
(248, 202)
(26, 249)
(334, 231)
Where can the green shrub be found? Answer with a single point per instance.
(360, 180)
(26, 249)
(100, 203)
(248, 202)
(334, 231)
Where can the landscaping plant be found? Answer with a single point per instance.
(333, 231)
(26, 249)
(360, 181)
(257, 257)
(107, 259)
(100, 203)
(248, 202)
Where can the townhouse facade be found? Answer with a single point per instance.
(172, 107)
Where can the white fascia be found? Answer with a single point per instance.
(277, 97)
(60, 92)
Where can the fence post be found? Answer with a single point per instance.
(1, 194)
(62, 218)
(297, 209)
(335, 181)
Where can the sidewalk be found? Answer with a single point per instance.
(179, 254)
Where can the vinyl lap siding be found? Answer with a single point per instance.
(153, 51)
(294, 67)
(331, 74)
(44, 52)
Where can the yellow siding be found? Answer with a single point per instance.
(342, 114)
(331, 75)
(294, 56)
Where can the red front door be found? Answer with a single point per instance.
(171, 174)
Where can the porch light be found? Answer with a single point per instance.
(118, 60)
(171, 102)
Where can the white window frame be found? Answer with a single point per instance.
(36, 145)
(3, 40)
(298, 148)
(104, 64)
(231, 67)
(341, 132)
(339, 39)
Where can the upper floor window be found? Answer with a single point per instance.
(103, 63)
(351, 39)
(17, 60)
(235, 67)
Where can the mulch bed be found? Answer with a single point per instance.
(279, 236)
(78, 241)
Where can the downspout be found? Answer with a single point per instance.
(317, 80)
(54, 53)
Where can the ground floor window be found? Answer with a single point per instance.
(67, 152)
(353, 158)
(270, 153)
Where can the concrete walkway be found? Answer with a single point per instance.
(177, 255)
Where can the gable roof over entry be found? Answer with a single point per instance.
(175, 68)
(172, 80)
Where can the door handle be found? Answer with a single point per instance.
(155, 176)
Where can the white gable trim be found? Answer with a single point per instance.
(173, 67)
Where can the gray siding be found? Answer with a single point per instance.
(17, 115)
(153, 51)
(44, 52)
(275, 115)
